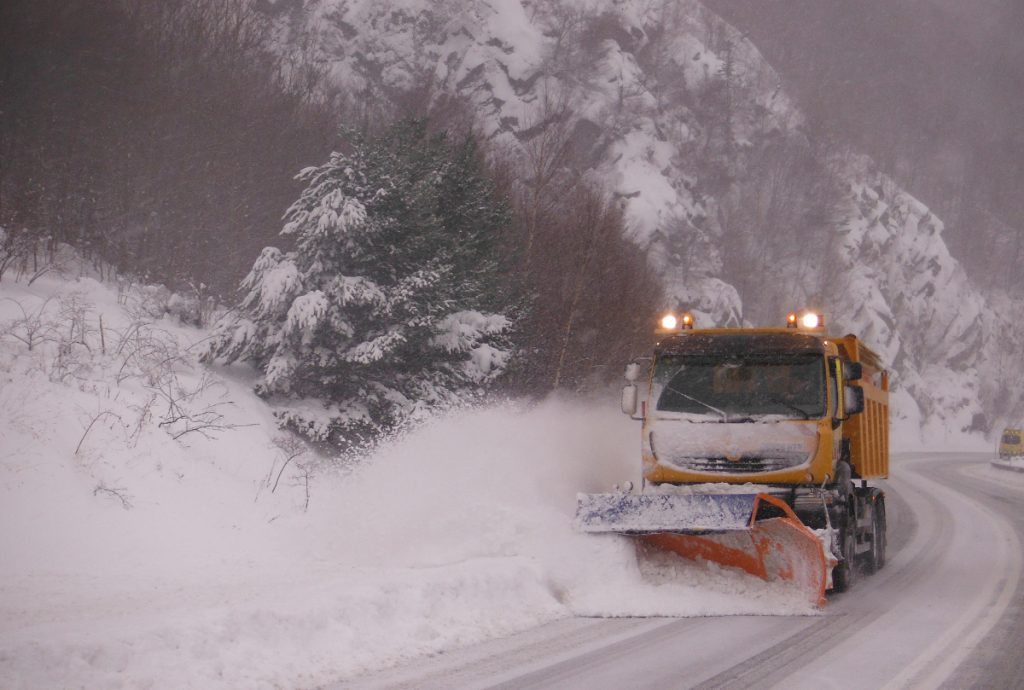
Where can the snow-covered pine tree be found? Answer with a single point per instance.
(391, 303)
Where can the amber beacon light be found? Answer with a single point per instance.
(808, 320)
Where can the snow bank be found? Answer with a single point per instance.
(132, 558)
(1013, 464)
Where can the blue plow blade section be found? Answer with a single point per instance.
(626, 513)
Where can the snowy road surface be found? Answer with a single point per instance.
(945, 612)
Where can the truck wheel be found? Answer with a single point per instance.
(845, 572)
(878, 537)
(874, 560)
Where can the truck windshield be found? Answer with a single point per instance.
(743, 387)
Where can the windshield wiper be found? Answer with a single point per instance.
(780, 401)
(725, 415)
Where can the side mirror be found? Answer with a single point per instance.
(629, 400)
(853, 399)
(852, 371)
(633, 371)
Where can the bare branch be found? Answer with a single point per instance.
(93, 421)
(293, 448)
(118, 492)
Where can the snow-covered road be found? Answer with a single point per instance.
(945, 611)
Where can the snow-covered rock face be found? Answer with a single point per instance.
(912, 301)
(627, 82)
(622, 75)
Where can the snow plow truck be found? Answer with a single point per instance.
(757, 446)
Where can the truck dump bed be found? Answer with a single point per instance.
(868, 433)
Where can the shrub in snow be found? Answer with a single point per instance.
(391, 303)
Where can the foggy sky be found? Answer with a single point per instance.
(932, 89)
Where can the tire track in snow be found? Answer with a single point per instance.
(944, 656)
(944, 589)
(996, 661)
(898, 618)
(903, 568)
(488, 662)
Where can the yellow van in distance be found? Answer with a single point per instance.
(1010, 443)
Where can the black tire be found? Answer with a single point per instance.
(882, 536)
(845, 573)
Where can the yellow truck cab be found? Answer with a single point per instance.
(779, 406)
(1011, 443)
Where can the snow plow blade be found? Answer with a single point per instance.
(758, 533)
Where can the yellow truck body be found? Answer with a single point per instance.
(757, 445)
(1011, 443)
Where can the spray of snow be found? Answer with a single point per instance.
(501, 483)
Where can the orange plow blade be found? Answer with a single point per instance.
(778, 548)
(723, 529)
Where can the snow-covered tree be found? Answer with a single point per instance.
(391, 303)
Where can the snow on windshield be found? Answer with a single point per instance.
(739, 387)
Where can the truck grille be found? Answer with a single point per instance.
(745, 464)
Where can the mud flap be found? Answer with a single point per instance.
(757, 533)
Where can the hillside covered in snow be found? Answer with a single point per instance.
(741, 215)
